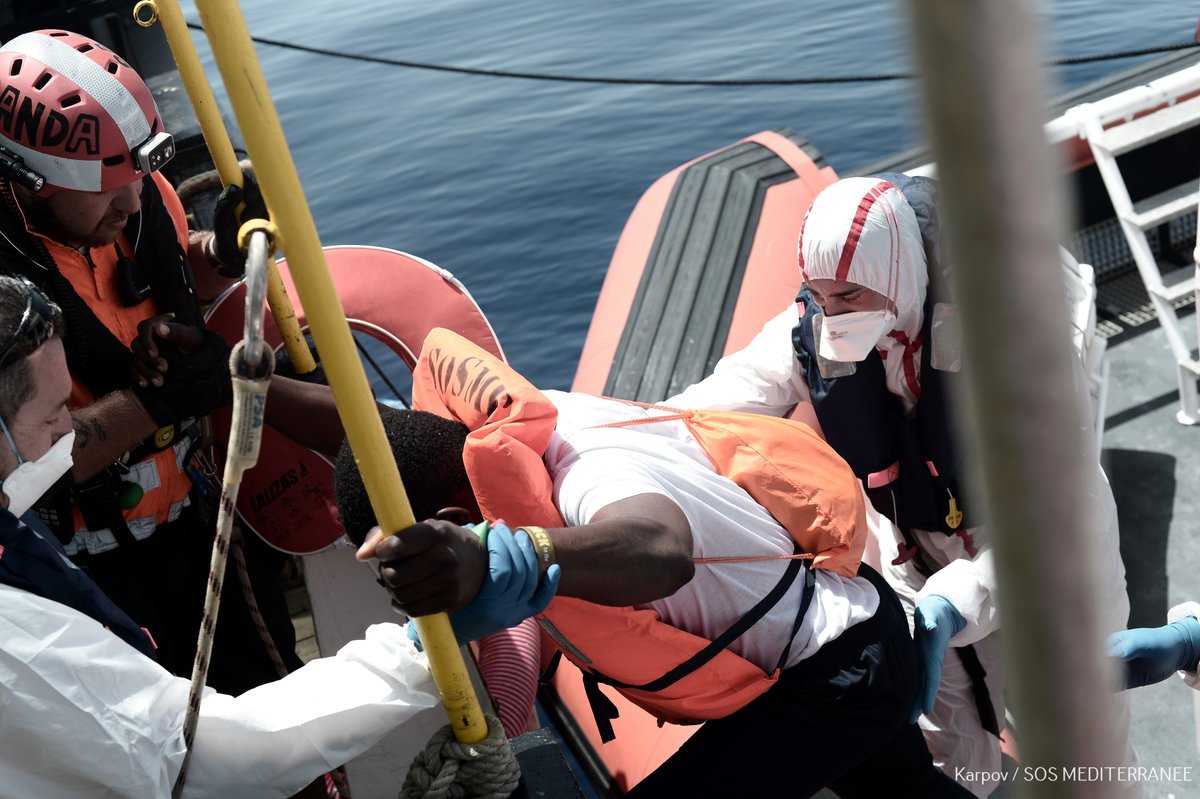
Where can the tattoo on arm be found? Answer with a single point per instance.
(86, 430)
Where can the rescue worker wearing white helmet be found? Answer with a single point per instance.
(868, 355)
(86, 215)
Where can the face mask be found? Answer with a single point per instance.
(850, 337)
(31, 479)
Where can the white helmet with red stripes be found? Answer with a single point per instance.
(77, 114)
(863, 231)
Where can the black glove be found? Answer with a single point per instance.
(196, 381)
(226, 223)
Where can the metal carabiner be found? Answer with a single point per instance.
(254, 344)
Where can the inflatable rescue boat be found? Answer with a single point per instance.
(707, 256)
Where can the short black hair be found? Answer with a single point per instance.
(428, 450)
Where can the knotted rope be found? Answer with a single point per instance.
(448, 769)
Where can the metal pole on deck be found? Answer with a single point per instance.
(234, 53)
(1003, 214)
(169, 14)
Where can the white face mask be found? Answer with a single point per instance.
(850, 337)
(31, 479)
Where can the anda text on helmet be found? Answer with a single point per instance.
(77, 114)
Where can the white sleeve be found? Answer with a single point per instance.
(595, 479)
(86, 715)
(764, 377)
(969, 584)
(275, 739)
(1176, 613)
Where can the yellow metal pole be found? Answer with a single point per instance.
(220, 147)
(234, 52)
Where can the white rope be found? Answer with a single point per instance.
(251, 365)
(448, 769)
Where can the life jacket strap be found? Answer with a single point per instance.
(810, 582)
(716, 559)
(669, 414)
(979, 690)
(605, 711)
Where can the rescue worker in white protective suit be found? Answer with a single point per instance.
(85, 709)
(868, 356)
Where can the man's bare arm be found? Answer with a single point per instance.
(106, 430)
(305, 413)
(632, 552)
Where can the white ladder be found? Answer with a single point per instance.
(1136, 218)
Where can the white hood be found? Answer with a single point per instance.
(863, 231)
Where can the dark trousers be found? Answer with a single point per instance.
(160, 583)
(838, 719)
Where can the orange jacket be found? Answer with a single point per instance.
(94, 277)
(784, 465)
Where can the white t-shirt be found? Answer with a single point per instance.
(595, 467)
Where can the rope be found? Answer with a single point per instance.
(204, 471)
(450, 770)
(1087, 58)
(239, 560)
(379, 371)
(251, 379)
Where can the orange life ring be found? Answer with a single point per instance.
(394, 297)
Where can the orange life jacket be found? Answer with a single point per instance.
(784, 465)
(93, 275)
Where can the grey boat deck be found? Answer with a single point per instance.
(1153, 464)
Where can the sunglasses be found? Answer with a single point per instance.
(34, 329)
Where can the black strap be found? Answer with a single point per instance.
(551, 668)
(100, 508)
(163, 260)
(979, 689)
(810, 582)
(722, 641)
(603, 710)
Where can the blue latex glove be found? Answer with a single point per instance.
(935, 622)
(511, 592)
(1152, 654)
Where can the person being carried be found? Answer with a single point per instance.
(706, 566)
(87, 710)
(869, 355)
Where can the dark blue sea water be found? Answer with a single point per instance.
(521, 189)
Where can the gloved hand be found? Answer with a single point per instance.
(511, 591)
(180, 371)
(935, 622)
(227, 223)
(1152, 654)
